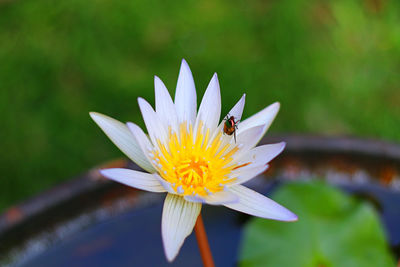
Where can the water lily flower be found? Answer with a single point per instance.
(188, 155)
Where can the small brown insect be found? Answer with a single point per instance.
(230, 126)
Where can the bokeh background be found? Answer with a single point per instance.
(333, 65)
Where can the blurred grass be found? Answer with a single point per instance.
(333, 65)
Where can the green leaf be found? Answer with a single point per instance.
(334, 229)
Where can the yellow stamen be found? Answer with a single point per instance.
(194, 164)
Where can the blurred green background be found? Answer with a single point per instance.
(333, 65)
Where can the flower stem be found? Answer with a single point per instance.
(202, 241)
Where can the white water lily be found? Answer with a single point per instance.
(187, 154)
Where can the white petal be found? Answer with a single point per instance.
(237, 110)
(261, 155)
(185, 95)
(136, 179)
(155, 127)
(257, 158)
(222, 197)
(143, 141)
(165, 108)
(167, 185)
(219, 198)
(178, 219)
(194, 199)
(210, 107)
(123, 139)
(247, 140)
(247, 173)
(264, 117)
(255, 204)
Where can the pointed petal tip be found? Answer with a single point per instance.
(275, 106)
(272, 109)
(158, 86)
(185, 95)
(143, 104)
(282, 146)
(258, 205)
(106, 172)
(170, 253)
(100, 118)
(242, 100)
(214, 83)
(103, 172)
(291, 217)
(184, 64)
(295, 218)
(286, 216)
(214, 79)
(170, 257)
(157, 80)
(94, 114)
(185, 69)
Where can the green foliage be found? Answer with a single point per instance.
(333, 65)
(333, 230)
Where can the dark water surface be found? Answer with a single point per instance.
(133, 238)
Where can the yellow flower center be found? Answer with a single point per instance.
(194, 164)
